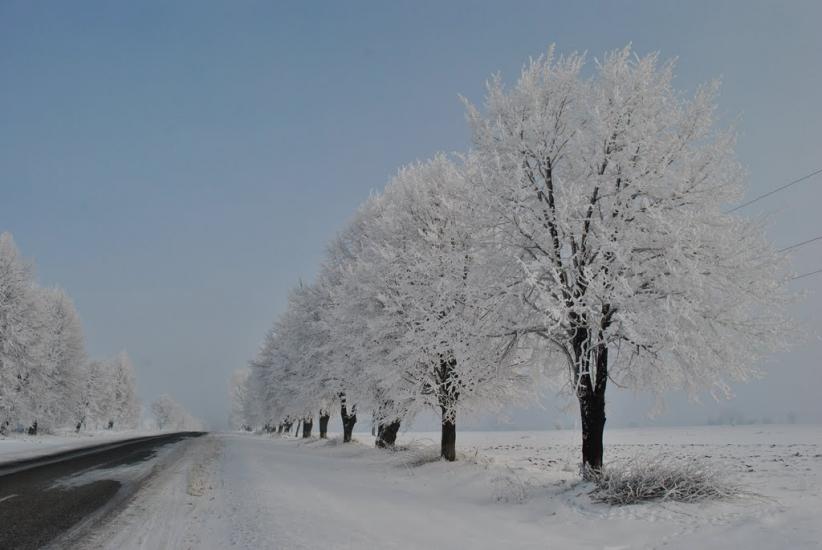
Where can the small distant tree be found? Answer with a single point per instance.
(169, 415)
(126, 410)
(110, 395)
(97, 403)
(239, 395)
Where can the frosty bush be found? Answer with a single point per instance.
(511, 488)
(661, 478)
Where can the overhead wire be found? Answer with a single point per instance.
(777, 190)
(797, 245)
(808, 274)
(793, 246)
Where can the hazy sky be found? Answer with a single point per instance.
(177, 166)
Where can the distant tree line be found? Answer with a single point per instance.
(46, 379)
(169, 415)
(582, 240)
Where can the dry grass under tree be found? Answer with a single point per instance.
(661, 478)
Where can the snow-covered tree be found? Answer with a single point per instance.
(20, 338)
(303, 367)
(359, 334)
(126, 411)
(608, 192)
(81, 406)
(406, 306)
(97, 398)
(169, 415)
(62, 358)
(267, 401)
(238, 393)
(345, 358)
(109, 399)
(303, 337)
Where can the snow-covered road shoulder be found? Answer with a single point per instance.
(171, 507)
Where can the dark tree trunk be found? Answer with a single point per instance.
(591, 396)
(448, 445)
(348, 427)
(110, 425)
(33, 428)
(448, 395)
(348, 420)
(280, 428)
(387, 434)
(324, 418)
(308, 424)
(592, 415)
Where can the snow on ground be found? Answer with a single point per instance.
(20, 447)
(508, 490)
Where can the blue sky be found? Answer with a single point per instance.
(177, 166)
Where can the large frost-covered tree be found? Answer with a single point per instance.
(607, 190)
(20, 337)
(411, 285)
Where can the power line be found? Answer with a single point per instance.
(806, 274)
(797, 245)
(778, 189)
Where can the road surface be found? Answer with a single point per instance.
(51, 498)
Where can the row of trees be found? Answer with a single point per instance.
(581, 240)
(169, 415)
(46, 379)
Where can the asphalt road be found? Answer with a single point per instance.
(37, 505)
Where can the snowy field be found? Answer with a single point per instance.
(508, 490)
